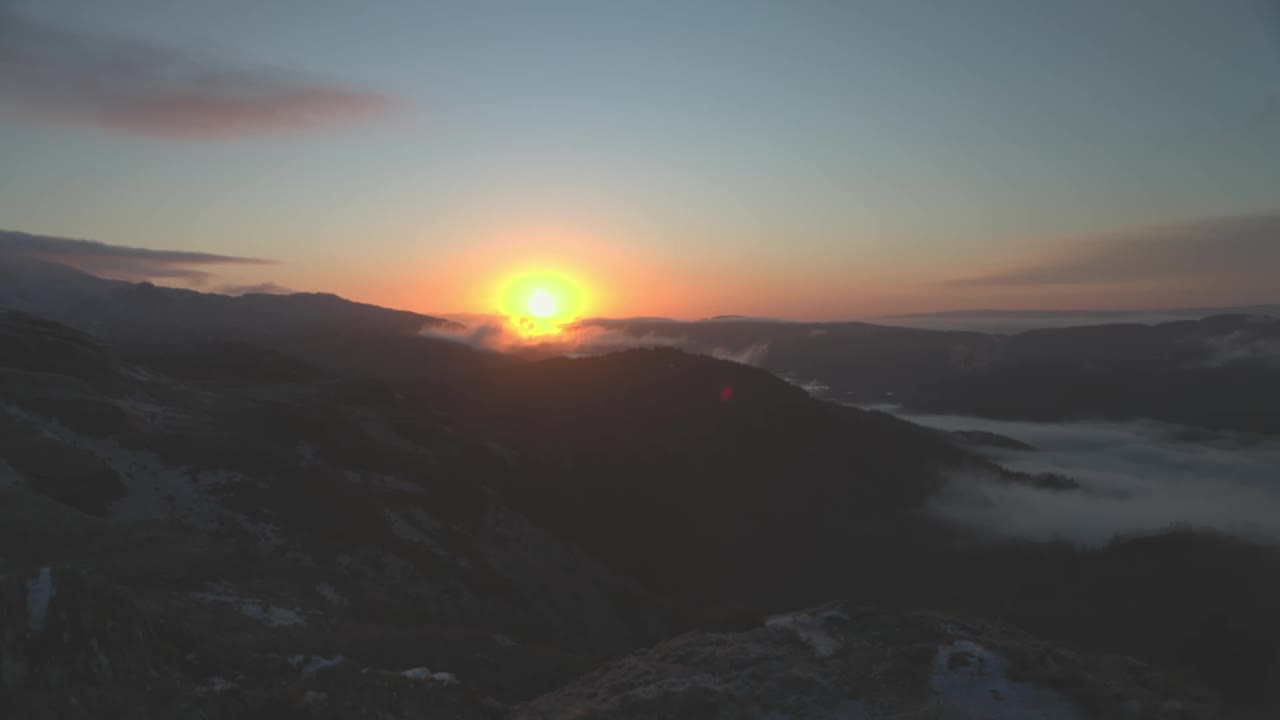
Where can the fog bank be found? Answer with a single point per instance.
(1136, 478)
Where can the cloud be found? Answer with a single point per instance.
(1244, 250)
(1243, 347)
(59, 75)
(482, 334)
(591, 339)
(115, 261)
(582, 339)
(498, 334)
(749, 355)
(598, 340)
(266, 288)
(1136, 478)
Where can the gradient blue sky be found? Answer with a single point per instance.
(803, 159)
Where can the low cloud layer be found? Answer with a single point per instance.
(1009, 322)
(115, 261)
(753, 354)
(59, 75)
(498, 335)
(1243, 347)
(266, 288)
(1242, 250)
(1136, 477)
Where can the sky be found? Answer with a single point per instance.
(807, 159)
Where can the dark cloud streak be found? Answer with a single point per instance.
(115, 261)
(1243, 250)
(58, 75)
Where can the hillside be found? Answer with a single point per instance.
(150, 321)
(1216, 372)
(516, 526)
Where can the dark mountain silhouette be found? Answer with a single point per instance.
(151, 321)
(1187, 313)
(1219, 372)
(1216, 372)
(700, 476)
(116, 308)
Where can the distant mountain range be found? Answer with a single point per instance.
(1013, 321)
(1216, 372)
(143, 319)
(1193, 313)
(1222, 371)
(1005, 321)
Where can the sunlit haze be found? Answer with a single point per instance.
(541, 303)
(809, 160)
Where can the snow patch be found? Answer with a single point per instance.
(974, 681)
(380, 430)
(40, 592)
(269, 615)
(851, 710)
(378, 481)
(306, 453)
(273, 616)
(413, 529)
(330, 593)
(267, 534)
(392, 482)
(813, 629)
(416, 526)
(8, 476)
(424, 673)
(155, 490)
(310, 664)
(216, 685)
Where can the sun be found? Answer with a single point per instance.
(541, 303)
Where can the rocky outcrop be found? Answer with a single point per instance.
(71, 646)
(847, 663)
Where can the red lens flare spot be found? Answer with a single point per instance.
(726, 393)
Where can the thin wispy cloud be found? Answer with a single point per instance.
(118, 262)
(1243, 250)
(266, 288)
(58, 75)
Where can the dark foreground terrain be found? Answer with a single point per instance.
(332, 520)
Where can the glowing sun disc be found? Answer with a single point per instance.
(542, 304)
